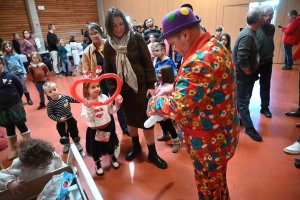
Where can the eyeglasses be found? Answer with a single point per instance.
(263, 16)
(223, 39)
(94, 34)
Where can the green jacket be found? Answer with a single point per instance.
(62, 52)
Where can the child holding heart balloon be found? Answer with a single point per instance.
(100, 140)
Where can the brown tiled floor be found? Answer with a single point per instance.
(258, 171)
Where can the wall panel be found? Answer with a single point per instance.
(172, 5)
(233, 27)
(10, 21)
(139, 10)
(69, 17)
(125, 7)
(157, 10)
(108, 4)
(207, 10)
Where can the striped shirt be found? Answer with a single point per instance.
(57, 109)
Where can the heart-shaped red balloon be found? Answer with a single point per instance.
(97, 80)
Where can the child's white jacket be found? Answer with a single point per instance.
(18, 171)
(97, 116)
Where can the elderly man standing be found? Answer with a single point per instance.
(246, 58)
(265, 39)
(202, 101)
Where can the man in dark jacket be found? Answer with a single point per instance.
(290, 37)
(265, 39)
(52, 47)
(152, 30)
(245, 56)
(16, 43)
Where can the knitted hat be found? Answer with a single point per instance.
(178, 20)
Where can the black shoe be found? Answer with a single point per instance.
(254, 135)
(293, 114)
(298, 125)
(42, 105)
(66, 74)
(29, 102)
(58, 74)
(133, 152)
(284, 67)
(154, 158)
(266, 112)
(160, 163)
(28, 98)
(72, 74)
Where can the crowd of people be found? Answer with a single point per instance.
(195, 81)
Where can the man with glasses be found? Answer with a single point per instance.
(290, 37)
(265, 39)
(246, 59)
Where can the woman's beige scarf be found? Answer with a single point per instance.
(123, 65)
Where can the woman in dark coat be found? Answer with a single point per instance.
(126, 54)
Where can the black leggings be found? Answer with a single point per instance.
(166, 126)
(11, 129)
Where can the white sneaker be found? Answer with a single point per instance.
(66, 148)
(293, 149)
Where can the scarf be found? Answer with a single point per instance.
(123, 65)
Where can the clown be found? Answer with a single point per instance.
(203, 102)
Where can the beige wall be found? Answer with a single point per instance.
(228, 13)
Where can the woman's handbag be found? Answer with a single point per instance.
(102, 136)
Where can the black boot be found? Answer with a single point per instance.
(154, 158)
(136, 148)
(42, 105)
(28, 98)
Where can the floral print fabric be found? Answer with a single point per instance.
(204, 106)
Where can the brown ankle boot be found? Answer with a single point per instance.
(164, 137)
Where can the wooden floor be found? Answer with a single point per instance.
(258, 171)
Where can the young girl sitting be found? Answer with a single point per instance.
(98, 120)
(166, 78)
(40, 74)
(13, 63)
(12, 113)
(36, 158)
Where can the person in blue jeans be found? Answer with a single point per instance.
(290, 37)
(62, 54)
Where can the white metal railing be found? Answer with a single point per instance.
(84, 170)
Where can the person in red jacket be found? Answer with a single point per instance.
(290, 37)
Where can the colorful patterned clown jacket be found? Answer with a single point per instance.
(203, 103)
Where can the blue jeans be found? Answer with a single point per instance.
(288, 57)
(22, 79)
(243, 100)
(39, 87)
(64, 63)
